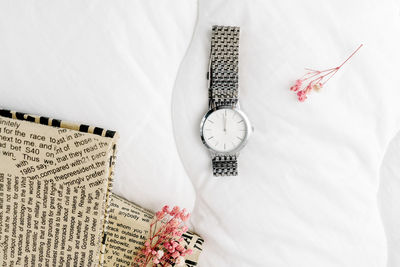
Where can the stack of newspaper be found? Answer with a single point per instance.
(56, 205)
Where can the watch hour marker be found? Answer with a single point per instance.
(222, 134)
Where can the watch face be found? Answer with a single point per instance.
(224, 130)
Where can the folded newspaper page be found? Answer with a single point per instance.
(128, 229)
(55, 182)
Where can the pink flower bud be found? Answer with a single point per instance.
(165, 209)
(302, 95)
(175, 255)
(174, 211)
(159, 215)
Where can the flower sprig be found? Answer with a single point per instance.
(316, 79)
(164, 246)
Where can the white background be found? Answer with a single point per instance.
(115, 65)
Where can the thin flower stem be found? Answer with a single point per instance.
(310, 69)
(332, 69)
(323, 76)
(317, 79)
(305, 79)
(337, 68)
(352, 54)
(319, 71)
(330, 77)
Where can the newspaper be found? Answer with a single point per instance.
(56, 206)
(55, 182)
(128, 229)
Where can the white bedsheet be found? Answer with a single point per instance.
(389, 199)
(306, 195)
(110, 64)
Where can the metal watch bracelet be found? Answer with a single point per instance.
(224, 84)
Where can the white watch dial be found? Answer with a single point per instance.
(224, 130)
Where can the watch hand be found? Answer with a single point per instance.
(225, 122)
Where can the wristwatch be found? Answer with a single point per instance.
(224, 129)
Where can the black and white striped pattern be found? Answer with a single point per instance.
(56, 123)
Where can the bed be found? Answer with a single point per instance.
(319, 181)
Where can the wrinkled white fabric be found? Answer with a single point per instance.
(306, 194)
(110, 64)
(389, 200)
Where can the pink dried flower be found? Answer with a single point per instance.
(187, 252)
(302, 95)
(316, 79)
(165, 209)
(165, 244)
(297, 85)
(317, 86)
(159, 215)
(175, 255)
(180, 248)
(174, 211)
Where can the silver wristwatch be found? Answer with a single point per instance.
(224, 129)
